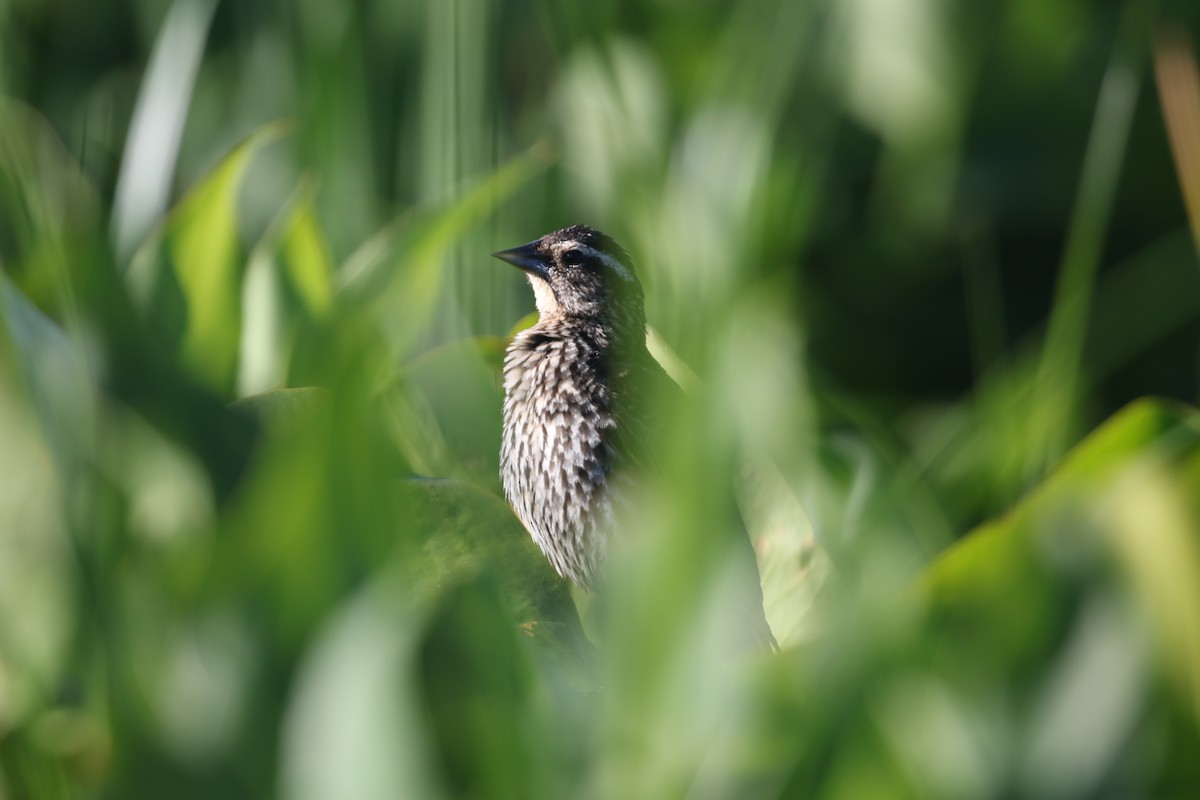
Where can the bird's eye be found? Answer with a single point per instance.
(572, 257)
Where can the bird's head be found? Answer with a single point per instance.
(581, 273)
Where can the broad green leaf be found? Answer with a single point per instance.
(308, 263)
(462, 529)
(202, 237)
(287, 286)
(200, 241)
(445, 532)
(1124, 497)
(1144, 429)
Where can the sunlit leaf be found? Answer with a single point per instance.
(200, 242)
(287, 287)
(1124, 499)
(308, 263)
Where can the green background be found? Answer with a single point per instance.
(919, 263)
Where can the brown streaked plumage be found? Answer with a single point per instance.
(576, 390)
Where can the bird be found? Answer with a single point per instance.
(579, 387)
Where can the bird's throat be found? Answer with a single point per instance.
(547, 304)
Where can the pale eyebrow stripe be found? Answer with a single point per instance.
(612, 263)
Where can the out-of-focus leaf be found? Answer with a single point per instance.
(446, 531)
(53, 369)
(277, 533)
(46, 417)
(202, 237)
(1178, 81)
(986, 558)
(446, 412)
(429, 641)
(1122, 503)
(992, 571)
(1056, 391)
(527, 321)
(308, 264)
(287, 287)
(401, 267)
(200, 241)
(158, 119)
(613, 128)
(286, 409)
(478, 684)
(334, 740)
(45, 200)
(793, 568)
(466, 530)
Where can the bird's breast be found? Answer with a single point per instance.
(555, 454)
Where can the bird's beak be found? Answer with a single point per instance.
(526, 258)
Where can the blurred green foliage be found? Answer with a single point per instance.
(913, 260)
